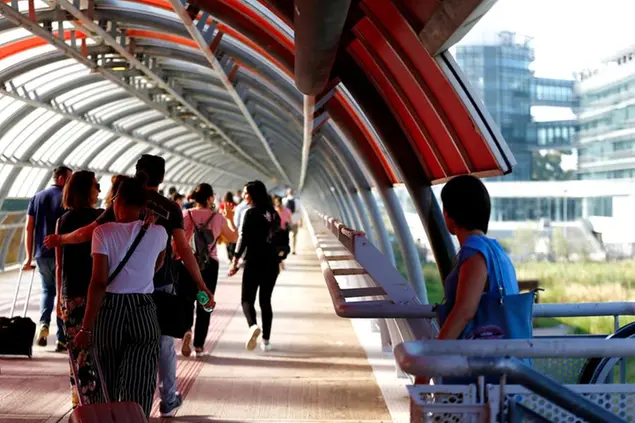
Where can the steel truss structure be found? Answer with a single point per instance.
(227, 92)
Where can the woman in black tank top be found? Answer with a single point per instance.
(73, 272)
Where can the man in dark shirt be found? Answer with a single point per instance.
(170, 216)
(44, 209)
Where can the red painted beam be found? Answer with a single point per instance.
(419, 60)
(25, 44)
(154, 35)
(394, 96)
(447, 151)
(344, 113)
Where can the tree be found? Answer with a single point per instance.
(548, 167)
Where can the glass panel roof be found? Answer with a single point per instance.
(60, 141)
(106, 154)
(32, 134)
(27, 182)
(120, 165)
(82, 152)
(46, 137)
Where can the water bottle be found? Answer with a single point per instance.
(203, 299)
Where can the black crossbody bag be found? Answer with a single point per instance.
(175, 310)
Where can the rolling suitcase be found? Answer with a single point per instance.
(17, 332)
(105, 412)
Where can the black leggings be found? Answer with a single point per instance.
(210, 276)
(263, 276)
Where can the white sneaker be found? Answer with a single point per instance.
(265, 346)
(200, 352)
(254, 333)
(186, 347)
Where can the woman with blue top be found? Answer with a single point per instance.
(482, 265)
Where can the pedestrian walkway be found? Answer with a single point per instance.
(317, 372)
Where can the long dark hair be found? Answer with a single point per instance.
(259, 196)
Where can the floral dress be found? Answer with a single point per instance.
(83, 360)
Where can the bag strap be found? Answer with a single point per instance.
(197, 230)
(131, 251)
(498, 271)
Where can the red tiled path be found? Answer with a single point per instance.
(317, 371)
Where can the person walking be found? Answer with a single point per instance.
(227, 204)
(74, 266)
(170, 216)
(42, 213)
(261, 261)
(203, 228)
(286, 219)
(293, 204)
(121, 316)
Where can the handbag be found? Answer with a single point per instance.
(175, 313)
(175, 310)
(499, 316)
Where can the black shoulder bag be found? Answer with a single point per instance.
(175, 310)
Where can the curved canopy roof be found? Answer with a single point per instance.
(210, 85)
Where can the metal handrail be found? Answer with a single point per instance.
(461, 366)
(415, 310)
(415, 353)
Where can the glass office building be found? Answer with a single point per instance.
(498, 67)
(607, 119)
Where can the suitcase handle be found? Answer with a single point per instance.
(17, 292)
(75, 372)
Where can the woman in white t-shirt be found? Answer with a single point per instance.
(120, 309)
(204, 223)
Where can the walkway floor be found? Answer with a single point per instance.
(317, 371)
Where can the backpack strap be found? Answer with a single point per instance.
(198, 231)
(131, 251)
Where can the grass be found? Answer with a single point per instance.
(568, 282)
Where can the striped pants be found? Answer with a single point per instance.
(127, 343)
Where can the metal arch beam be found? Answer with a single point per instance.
(209, 55)
(340, 184)
(400, 150)
(321, 172)
(19, 164)
(330, 149)
(20, 20)
(42, 60)
(109, 40)
(364, 191)
(362, 150)
(309, 104)
(71, 117)
(327, 194)
(335, 162)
